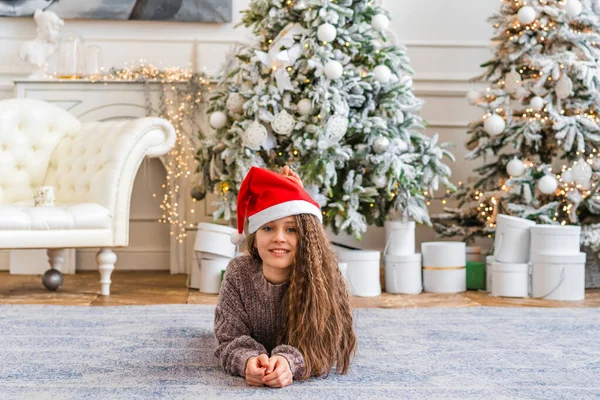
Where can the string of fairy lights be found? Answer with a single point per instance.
(179, 99)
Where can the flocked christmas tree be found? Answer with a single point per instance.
(539, 134)
(323, 89)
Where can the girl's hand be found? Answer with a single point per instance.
(278, 373)
(255, 369)
(288, 173)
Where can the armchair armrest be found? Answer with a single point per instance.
(99, 163)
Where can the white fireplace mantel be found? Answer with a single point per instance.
(102, 101)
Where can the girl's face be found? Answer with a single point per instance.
(276, 243)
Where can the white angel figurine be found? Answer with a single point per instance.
(37, 51)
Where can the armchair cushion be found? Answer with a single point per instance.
(72, 216)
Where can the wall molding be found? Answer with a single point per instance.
(128, 259)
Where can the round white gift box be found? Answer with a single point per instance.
(511, 244)
(489, 260)
(210, 275)
(557, 239)
(362, 271)
(403, 274)
(473, 253)
(215, 239)
(510, 279)
(444, 267)
(399, 238)
(558, 276)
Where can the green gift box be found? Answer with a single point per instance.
(475, 275)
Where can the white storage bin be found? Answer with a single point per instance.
(444, 267)
(558, 276)
(362, 272)
(215, 239)
(510, 279)
(403, 274)
(556, 239)
(399, 238)
(210, 275)
(511, 244)
(473, 253)
(489, 260)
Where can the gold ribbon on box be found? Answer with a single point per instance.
(444, 268)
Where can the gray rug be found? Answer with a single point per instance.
(54, 352)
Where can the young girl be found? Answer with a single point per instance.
(283, 311)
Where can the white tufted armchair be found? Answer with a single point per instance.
(92, 167)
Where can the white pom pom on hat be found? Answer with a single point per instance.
(266, 196)
(237, 238)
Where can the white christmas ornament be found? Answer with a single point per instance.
(255, 136)
(473, 97)
(380, 181)
(218, 119)
(564, 86)
(537, 103)
(305, 107)
(333, 69)
(326, 33)
(337, 125)
(283, 123)
(235, 103)
(573, 8)
(380, 22)
(512, 82)
(581, 172)
(494, 125)
(515, 167)
(380, 144)
(526, 15)
(547, 184)
(567, 176)
(382, 73)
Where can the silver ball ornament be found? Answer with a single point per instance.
(255, 136)
(333, 69)
(573, 8)
(235, 103)
(326, 33)
(537, 103)
(515, 167)
(526, 15)
(473, 97)
(380, 22)
(283, 123)
(305, 107)
(337, 125)
(494, 124)
(547, 184)
(218, 119)
(52, 279)
(382, 73)
(380, 144)
(581, 172)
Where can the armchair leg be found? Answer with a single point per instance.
(106, 259)
(56, 257)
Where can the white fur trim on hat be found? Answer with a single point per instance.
(282, 210)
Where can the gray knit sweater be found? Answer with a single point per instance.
(249, 317)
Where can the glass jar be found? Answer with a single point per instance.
(70, 56)
(93, 60)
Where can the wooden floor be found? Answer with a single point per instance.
(150, 287)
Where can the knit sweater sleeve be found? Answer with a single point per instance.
(232, 329)
(293, 357)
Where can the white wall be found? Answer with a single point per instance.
(446, 40)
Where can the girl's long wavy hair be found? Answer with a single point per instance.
(318, 317)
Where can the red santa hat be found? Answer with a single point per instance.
(266, 196)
